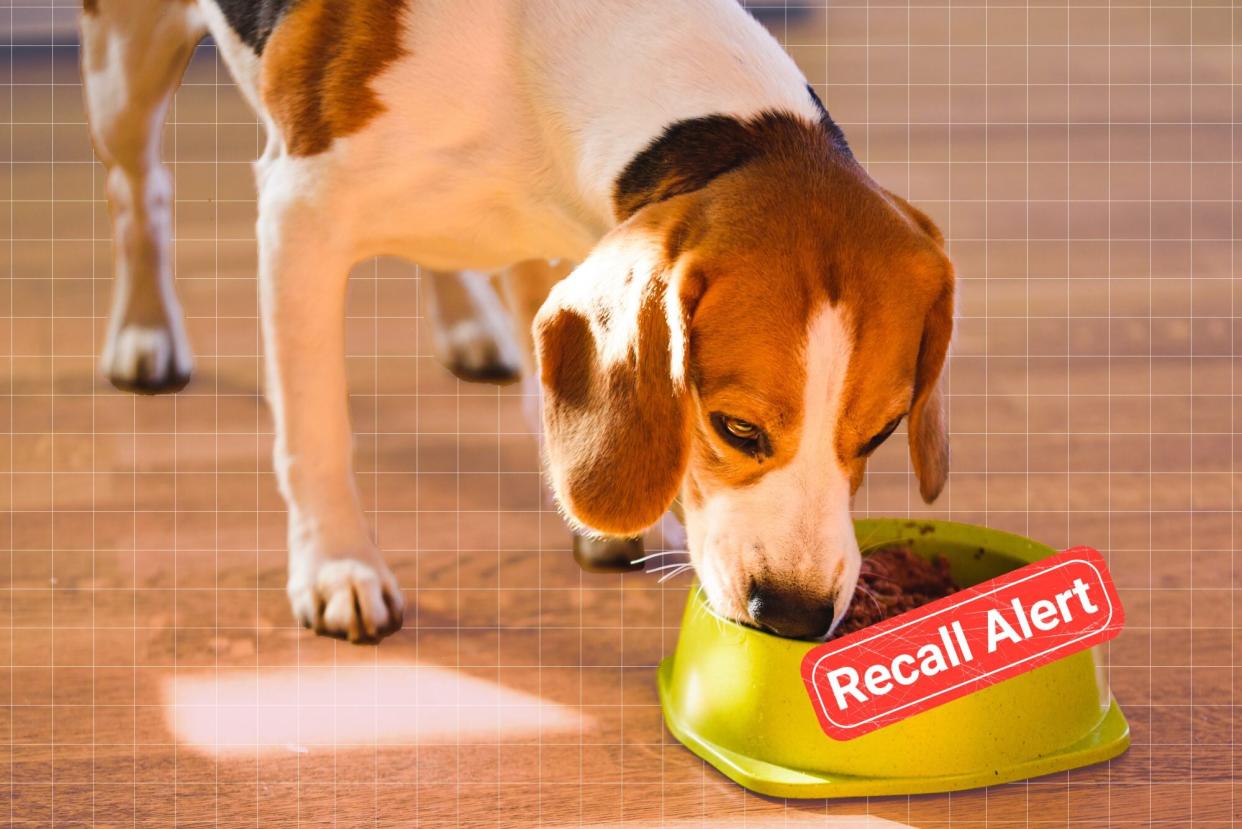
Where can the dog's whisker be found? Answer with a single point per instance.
(870, 596)
(699, 606)
(650, 556)
(865, 544)
(677, 572)
(672, 566)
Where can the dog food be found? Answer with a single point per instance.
(894, 580)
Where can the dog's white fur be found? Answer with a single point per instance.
(506, 124)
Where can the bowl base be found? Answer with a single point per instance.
(1107, 740)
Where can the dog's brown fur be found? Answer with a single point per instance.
(901, 333)
(318, 65)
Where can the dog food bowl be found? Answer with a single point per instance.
(735, 697)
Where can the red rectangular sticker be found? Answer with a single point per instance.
(962, 643)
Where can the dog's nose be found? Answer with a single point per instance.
(790, 613)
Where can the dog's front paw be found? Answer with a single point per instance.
(349, 597)
(147, 359)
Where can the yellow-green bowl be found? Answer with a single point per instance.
(735, 697)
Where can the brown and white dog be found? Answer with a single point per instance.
(752, 316)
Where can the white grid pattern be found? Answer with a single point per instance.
(1093, 394)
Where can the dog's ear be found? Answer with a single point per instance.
(611, 344)
(929, 440)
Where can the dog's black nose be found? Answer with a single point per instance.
(790, 613)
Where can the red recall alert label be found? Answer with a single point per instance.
(954, 646)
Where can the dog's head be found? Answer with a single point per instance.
(764, 316)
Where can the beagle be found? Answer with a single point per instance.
(751, 317)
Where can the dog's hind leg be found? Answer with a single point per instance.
(471, 335)
(133, 54)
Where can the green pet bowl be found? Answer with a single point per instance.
(734, 696)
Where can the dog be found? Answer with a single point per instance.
(750, 315)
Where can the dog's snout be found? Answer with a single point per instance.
(790, 612)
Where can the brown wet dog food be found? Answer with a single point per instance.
(894, 580)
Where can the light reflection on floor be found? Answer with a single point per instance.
(313, 708)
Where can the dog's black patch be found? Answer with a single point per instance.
(685, 158)
(830, 126)
(689, 154)
(253, 20)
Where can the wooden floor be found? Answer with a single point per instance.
(150, 672)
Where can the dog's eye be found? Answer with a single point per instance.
(874, 444)
(742, 435)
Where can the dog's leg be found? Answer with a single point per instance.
(471, 336)
(133, 54)
(338, 582)
(526, 286)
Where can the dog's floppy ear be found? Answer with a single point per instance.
(611, 344)
(929, 440)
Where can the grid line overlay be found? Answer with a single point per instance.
(1082, 160)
